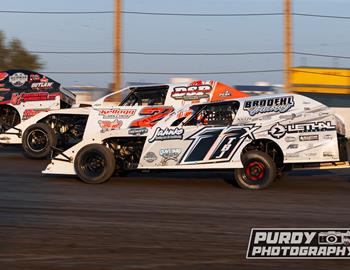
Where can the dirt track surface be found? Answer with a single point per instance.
(156, 221)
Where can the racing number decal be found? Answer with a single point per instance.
(227, 143)
(202, 143)
(151, 116)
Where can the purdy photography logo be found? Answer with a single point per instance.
(303, 243)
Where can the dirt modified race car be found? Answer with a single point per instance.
(24, 94)
(37, 112)
(256, 137)
(61, 129)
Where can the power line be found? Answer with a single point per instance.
(323, 55)
(321, 16)
(190, 54)
(200, 53)
(203, 14)
(142, 13)
(187, 73)
(156, 53)
(56, 12)
(71, 52)
(164, 73)
(172, 14)
(205, 73)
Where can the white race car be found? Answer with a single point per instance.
(256, 137)
(62, 129)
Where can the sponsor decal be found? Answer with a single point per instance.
(117, 113)
(31, 112)
(293, 146)
(292, 155)
(328, 137)
(290, 139)
(3, 76)
(150, 157)
(184, 114)
(169, 154)
(25, 97)
(278, 104)
(192, 92)
(299, 244)
(106, 125)
(328, 154)
(244, 120)
(138, 131)
(18, 79)
(306, 138)
(310, 154)
(44, 79)
(167, 134)
(278, 130)
(41, 85)
(34, 77)
(225, 94)
(288, 117)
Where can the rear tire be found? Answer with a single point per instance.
(37, 141)
(94, 164)
(258, 172)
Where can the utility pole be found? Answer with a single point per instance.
(287, 44)
(117, 46)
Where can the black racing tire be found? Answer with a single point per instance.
(37, 141)
(258, 172)
(94, 164)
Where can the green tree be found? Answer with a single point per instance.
(14, 56)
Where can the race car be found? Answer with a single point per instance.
(37, 112)
(258, 138)
(24, 94)
(61, 129)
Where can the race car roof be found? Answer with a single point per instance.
(21, 79)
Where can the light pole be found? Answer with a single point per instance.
(287, 44)
(117, 46)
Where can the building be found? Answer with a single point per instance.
(330, 86)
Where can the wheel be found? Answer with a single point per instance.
(37, 141)
(258, 172)
(94, 164)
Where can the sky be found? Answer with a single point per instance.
(94, 32)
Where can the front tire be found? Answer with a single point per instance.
(258, 172)
(37, 141)
(94, 164)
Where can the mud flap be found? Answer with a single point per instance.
(343, 145)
